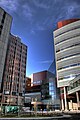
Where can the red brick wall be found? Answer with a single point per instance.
(39, 76)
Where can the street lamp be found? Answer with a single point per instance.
(35, 106)
(18, 103)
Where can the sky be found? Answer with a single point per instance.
(34, 22)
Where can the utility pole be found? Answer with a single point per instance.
(1, 108)
(35, 106)
(18, 103)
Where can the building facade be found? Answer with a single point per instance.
(43, 85)
(13, 56)
(67, 53)
(14, 72)
(5, 25)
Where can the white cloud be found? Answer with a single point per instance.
(46, 61)
(10, 5)
(39, 26)
(27, 11)
(32, 32)
(71, 9)
(40, 4)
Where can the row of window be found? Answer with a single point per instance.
(69, 76)
(9, 100)
(7, 85)
(20, 45)
(74, 85)
(59, 50)
(74, 54)
(73, 36)
(15, 88)
(78, 64)
(73, 28)
(2, 22)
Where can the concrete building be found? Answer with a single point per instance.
(14, 72)
(44, 90)
(13, 55)
(73, 90)
(5, 25)
(67, 53)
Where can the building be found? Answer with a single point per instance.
(5, 25)
(29, 88)
(31, 93)
(27, 84)
(73, 91)
(14, 72)
(13, 55)
(43, 89)
(67, 54)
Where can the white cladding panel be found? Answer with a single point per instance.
(67, 52)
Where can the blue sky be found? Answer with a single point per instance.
(34, 22)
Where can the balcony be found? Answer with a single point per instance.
(74, 85)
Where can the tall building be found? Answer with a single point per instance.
(5, 25)
(67, 53)
(14, 72)
(13, 55)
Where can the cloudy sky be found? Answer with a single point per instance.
(34, 22)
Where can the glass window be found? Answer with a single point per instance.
(51, 88)
(78, 82)
(51, 83)
(53, 93)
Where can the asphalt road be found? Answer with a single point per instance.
(46, 118)
(63, 117)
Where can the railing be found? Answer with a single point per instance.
(74, 85)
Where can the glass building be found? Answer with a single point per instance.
(44, 83)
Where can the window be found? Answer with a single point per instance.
(76, 27)
(0, 32)
(2, 21)
(78, 82)
(13, 93)
(6, 99)
(4, 14)
(51, 88)
(1, 26)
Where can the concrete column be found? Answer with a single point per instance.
(62, 103)
(77, 96)
(71, 105)
(65, 100)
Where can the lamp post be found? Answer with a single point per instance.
(18, 103)
(35, 106)
(1, 109)
(47, 108)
